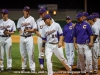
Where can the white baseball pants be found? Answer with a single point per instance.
(49, 50)
(69, 48)
(84, 49)
(95, 56)
(5, 46)
(26, 47)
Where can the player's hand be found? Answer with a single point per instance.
(43, 49)
(20, 31)
(59, 44)
(90, 44)
(6, 32)
(76, 47)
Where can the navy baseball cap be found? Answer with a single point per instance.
(47, 16)
(42, 10)
(26, 8)
(78, 15)
(68, 18)
(85, 14)
(90, 17)
(5, 11)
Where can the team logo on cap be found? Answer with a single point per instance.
(84, 26)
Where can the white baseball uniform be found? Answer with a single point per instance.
(98, 24)
(6, 41)
(51, 34)
(26, 43)
(40, 25)
(95, 47)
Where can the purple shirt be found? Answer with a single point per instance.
(68, 33)
(82, 32)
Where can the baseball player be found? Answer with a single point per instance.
(40, 24)
(95, 30)
(26, 26)
(52, 42)
(7, 28)
(68, 39)
(83, 40)
(97, 21)
(85, 15)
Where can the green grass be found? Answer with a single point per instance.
(16, 62)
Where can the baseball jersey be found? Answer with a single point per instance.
(98, 23)
(68, 33)
(26, 22)
(82, 32)
(9, 25)
(51, 33)
(95, 31)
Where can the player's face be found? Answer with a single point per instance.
(26, 13)
(80, 19)
(68, 20)
(47, 21)
(43, 14)
(4, 16)
(84, 17)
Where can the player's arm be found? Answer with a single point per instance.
(19, 26)
(37, 33)
(74, 39)
(43, 39)
(12, 31)
(60, 43)
(89, 31)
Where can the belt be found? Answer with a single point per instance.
(26, 36)
(53, 43)
(5, 35)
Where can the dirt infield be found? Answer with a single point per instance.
(16, 39)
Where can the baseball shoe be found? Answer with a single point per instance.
(95, 72)
(8, 69)
(76, 69)
(23, 70)
(32, 71)
(1, 69)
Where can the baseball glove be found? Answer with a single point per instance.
(5, 31)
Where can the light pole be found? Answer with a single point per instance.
(85, 5)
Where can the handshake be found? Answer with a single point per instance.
(6, 31)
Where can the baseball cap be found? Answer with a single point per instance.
(85, 14)
(5, 11)
(78, 15)
(68, 18)
(47, 16)
(90, 17)
(42, 10)
(27, 8)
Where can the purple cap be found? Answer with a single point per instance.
(85, 14)
(68, 18)
(47, 16)
(42, 10)
(90, 17)
(79, 15)
(26, 8)
(5, 11)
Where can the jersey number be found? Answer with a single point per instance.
(54, 35)
(41, 26)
